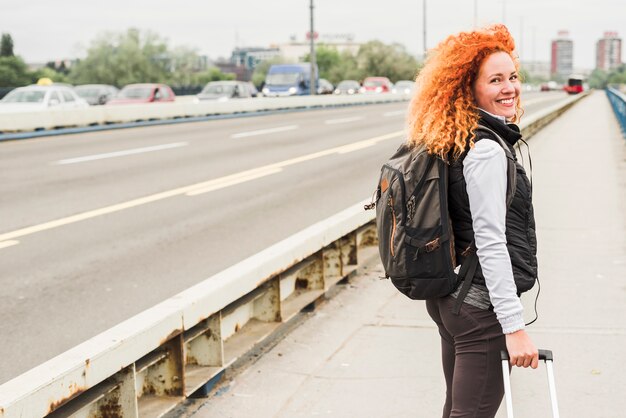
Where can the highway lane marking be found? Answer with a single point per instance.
(264, 131)
(198, 188)
(343, 120)
(122, 153)
(7, 244)
(395, 113)
(233, 179)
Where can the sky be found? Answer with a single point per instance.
(51, 30)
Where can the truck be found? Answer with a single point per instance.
(288, 80)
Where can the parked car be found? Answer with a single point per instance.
(144, 93)
(288, 80)
(37, 97)
(225, 90)
(324, 86)
(96, 94)
(347, 87)
(403, 87)
(376, 85)
(253, 90)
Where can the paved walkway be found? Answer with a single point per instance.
(370, 352)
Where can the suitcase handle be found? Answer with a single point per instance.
(545, 355)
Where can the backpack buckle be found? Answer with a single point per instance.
(433, 245)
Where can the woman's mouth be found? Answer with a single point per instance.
(507, 102)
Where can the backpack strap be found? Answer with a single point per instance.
(511, 173)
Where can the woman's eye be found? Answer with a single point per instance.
(495, 80)
(514, 77)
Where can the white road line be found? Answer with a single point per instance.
(7, 244)
(264, 131)
(395, 113)
(237, 178)
(122, 153)
(202, 187)
(343, 120)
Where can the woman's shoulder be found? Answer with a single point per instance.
(484, 149)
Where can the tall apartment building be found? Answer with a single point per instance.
(562, 63)
(609, 51)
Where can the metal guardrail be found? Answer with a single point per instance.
(618, 102)
(148, 364)
(107, 115)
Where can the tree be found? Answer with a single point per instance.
(392, 61)
(6, 46)
(598, 79)
(326, 58)
(120, 59)
(13, 72)
(260, 71)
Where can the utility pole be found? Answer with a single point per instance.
(425, 48)
(312, 83)
(475, 14)
(521, 39)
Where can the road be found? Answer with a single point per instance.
(97, 227)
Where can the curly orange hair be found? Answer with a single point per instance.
(442, 113)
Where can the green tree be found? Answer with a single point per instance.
(120, 59)
(598, 79)
(346, 69)
(326, 58)
(260, 71)
(47, 72)
(393, 61)
(618, 75)
(212, 74)
(6, 46)
(13, 72)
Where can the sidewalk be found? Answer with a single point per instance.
(371, 352)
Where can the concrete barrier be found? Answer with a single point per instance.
(105, 115)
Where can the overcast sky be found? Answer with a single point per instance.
(49, 30)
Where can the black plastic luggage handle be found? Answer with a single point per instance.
(545, 355)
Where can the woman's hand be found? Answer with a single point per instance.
(522, 351)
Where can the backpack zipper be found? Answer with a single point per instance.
(393, 229)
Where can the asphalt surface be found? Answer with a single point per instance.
(98, 227)
(371, 352)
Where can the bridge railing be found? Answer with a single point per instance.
(618, 102)
(148, 364)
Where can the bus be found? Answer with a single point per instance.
(574, 84)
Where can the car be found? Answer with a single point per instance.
(40, 97)
(324, 86)
(96, 94)
(143, 93)
(225, 90)
(288, 80)
(403, 87)
(347, 87)
(376, 85)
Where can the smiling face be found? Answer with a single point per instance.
(497, 86)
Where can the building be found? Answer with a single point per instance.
(250, 57)
(609, 52)
(562, 63)
(296, 50)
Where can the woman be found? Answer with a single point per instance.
(469, 79)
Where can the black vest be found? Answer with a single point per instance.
(520, 220)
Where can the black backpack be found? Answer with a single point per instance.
(415, 235)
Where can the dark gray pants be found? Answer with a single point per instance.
(470, 351)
